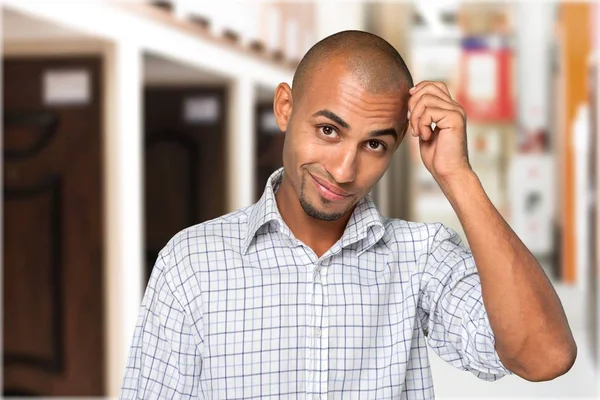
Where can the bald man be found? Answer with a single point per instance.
(310, 293)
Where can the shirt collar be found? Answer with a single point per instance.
(265, 210)
(365, 225)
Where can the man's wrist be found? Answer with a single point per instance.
(459, 184)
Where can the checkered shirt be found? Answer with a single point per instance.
(238, 308)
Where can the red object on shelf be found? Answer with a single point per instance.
(485, 86)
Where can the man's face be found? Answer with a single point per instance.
(339, 139)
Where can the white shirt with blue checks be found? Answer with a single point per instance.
(238, 308)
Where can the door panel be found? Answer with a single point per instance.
(52, 287)
(184, 161)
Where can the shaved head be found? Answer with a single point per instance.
(343, 118)
(370, 59)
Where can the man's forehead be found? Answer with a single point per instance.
(337, 82)
(343, 94)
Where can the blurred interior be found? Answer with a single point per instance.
(125, 122)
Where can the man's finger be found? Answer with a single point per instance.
(440, 85)
(432, 87)
(430, 138)
(425, 131)
(425, 101)
(422, 126)
(429, 90)
(442, 118)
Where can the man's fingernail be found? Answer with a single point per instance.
(408, 115)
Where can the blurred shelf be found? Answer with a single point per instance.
(199, 27)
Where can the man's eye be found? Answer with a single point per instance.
(327, 130)
(375, 145)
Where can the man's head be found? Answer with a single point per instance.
(344, 117)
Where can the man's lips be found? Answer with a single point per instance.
(335, 193)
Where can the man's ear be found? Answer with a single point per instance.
(282, 105)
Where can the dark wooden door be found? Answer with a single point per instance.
(52, 287)
(269, 146)
(184, 161)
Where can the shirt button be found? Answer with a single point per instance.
(317, 333)
(316, 397)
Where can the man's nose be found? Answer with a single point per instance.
(343, 167)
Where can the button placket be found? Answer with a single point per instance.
(324, 328)
(315, 340)
(317, 343)
(315, 300)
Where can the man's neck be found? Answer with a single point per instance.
(317, 234)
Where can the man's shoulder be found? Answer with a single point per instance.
(194, 250)
(201, 243)
(430, 235)
(404, 230)
(421, 238)
(226, 228)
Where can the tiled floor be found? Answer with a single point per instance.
(580, 382)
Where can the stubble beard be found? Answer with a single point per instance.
(313, 211)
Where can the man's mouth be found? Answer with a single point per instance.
(328, 191)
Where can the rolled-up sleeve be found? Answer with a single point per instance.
(164, 359)
(451, 309)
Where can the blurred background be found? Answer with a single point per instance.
(125, 122)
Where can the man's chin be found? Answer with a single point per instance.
(320, 213)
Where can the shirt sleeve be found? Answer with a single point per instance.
(451, 309)
(164, 360)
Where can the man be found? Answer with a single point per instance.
(311, 293)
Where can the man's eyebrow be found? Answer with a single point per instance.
(332, 116)
(384, 132)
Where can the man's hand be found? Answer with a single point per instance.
(444, 149)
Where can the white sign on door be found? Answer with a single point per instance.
(66, 87)
(201, 110)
